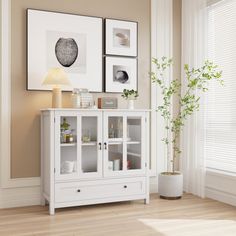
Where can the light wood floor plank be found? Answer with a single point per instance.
(190, 216)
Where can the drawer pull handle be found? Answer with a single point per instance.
(78, 191)
(100, 146)
(125, 186)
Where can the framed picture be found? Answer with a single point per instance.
(121, 37)
(67, 41)
(121, 73)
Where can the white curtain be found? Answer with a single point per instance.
(194, 45)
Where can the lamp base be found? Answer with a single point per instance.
(56, 97)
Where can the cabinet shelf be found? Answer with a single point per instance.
(133, 142)
(68, 144)
(94, 143)
(133, 154)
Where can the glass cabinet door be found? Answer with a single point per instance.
(91, 145)
(124, 146)
(114, 145)
(134, 142)
(66, 148)
(78, 145)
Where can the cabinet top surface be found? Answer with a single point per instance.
(110, 110)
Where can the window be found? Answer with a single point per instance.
(220, 105)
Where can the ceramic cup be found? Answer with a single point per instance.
(68, 166)
(116, 164)
(110, 166)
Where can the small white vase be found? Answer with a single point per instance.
(131, 104)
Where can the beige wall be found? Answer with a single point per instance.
(26, 105)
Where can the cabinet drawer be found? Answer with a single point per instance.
(76, 191)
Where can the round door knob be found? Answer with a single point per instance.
(125, 186)
(78, 191)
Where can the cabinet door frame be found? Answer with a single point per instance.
(57, 144)
(99, 172)
(124, 171)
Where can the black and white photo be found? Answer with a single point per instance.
(65, 41)
(121, 73)
(121, 37)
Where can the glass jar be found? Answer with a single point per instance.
(86, 98)
(76, 98)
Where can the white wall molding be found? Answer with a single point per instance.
(5, 105)
(19, 197)
(221, 186)
(161, 45)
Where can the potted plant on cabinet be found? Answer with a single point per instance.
(170, 183)
(130, 95)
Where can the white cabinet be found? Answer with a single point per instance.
(94, 156)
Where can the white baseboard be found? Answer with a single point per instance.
(221, 196)
(221, 187)
(19, 197)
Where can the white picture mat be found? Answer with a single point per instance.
(126, 62)
(132, 26)
(39, 22)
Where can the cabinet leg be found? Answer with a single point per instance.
(51, 210)
(146, 200)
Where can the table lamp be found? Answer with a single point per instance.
(56, 77)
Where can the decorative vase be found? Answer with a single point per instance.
(131, 104)
(170, 186)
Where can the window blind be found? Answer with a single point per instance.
(220, 104)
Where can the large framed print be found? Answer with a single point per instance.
(121, 37)
(73, 42)
(121, 73)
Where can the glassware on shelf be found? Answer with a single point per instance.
(86, 137)
(112, 131)
(76, 98)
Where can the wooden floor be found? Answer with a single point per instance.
(190, 216)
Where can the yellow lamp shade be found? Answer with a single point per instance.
(56, 76)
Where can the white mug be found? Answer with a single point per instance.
(116, 164)
(68, 166)
(110, 165)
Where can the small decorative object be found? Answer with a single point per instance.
(110, 165)
(65, 125)
(55, 78)
(116, 165)
(86, 137)
(128, 164)
(111, 131)
(130, 95)
(121, 73)
(170, 183)
(76, 98)
(107, 103)
(86, 98)
(121, 37)
(67, 167)
(66, 41)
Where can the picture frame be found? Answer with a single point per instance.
(121, 37)
(56, 39)
(120, 73)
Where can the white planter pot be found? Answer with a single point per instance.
(170, 186)
(131, 104)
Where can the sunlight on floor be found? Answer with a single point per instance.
(194, 227)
